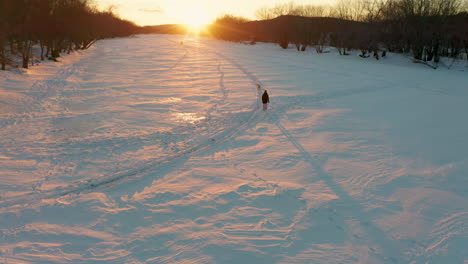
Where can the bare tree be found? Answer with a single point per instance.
(57, 25)
(264, 13)
(372, 10)
(350, 9)
(3, 34)
(229, 27)
(291, 9)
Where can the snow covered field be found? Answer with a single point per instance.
(155, 149)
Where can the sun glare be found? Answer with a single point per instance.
(197, 21)
(195, 26)
(194, 18)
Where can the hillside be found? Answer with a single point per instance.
(164, 29)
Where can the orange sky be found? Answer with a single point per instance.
(154, 12)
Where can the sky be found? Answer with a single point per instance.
(156, 12)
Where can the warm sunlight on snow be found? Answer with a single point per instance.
(155, 149)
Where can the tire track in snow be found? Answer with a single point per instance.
(255, 81)
(376, 235)
(38, 98)
(203, 145)
(178, 62)
(223, 90)
(44, 94)
(221, 81)
(125, 141)
(253, 78)
(140, 140)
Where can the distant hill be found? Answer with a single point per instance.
(443, 35)
(164, 29)
(266, 30)
(289, 29)
(274, 29)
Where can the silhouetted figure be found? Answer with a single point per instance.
(265, 100)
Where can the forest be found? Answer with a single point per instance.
(56, 26)
(426, 29)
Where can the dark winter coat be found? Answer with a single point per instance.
(265, 98)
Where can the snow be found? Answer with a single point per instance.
(155, 149)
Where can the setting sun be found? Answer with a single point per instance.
(196, 26)
(195, 18)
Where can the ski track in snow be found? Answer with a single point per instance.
(52, 87)
(227, 188)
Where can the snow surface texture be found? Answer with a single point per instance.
(155, 149)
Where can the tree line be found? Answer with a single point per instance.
(56, 26)
(427, 29)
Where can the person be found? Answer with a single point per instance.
(265, 100)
